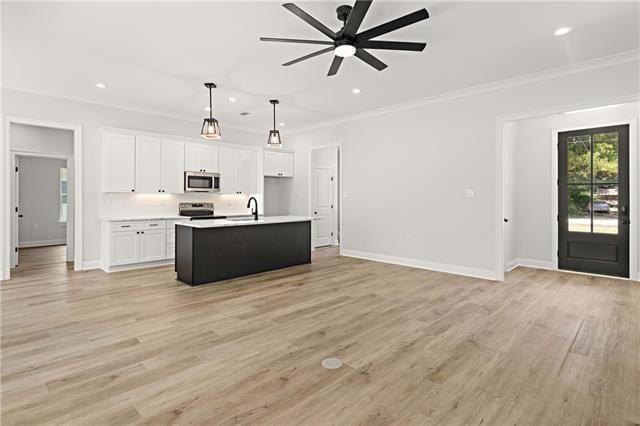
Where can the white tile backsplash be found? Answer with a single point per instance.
(131, 205)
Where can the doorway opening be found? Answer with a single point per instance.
(570, 191)
(325, 205)
(40, 212)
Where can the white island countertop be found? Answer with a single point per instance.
(262, 220)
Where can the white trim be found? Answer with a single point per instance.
(538, 264)
(150, 111)
(94, 264)
(42, 243)
(634, 143)
(513, 264)
(5, 160)
(421, 264)
(592, 64)
(130, 267)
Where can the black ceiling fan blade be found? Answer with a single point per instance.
(370, 59)
(296, 40)
(335, 65)
(392, 45)
(310, 55)
(310, 20)
(356, 16)
(412, 18)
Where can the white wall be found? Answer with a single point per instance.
(403, 187)
(92, 117)
(39, 195)
(533, 175)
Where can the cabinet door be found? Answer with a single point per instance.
(173, 167)
(124, 248)
(286, 164)
(209, 157)
(152, 245)
(271, 163)
(228, 171)
(247, 171)
(148, 165)
(118, 166)
(192, 158)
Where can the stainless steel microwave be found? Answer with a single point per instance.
(201, 182)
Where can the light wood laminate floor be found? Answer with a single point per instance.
(418, 347)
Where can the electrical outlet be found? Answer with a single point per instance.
(469, 193)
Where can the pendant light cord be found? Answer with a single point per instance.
(274, 116)
(210, 105)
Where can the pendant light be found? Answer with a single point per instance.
(274, 135)
(210, 126)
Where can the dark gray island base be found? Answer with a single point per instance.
(206, 254)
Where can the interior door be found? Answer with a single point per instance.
(593, 200)
(322, 205)
(17, 214)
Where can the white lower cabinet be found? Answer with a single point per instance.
(125, 247)
(137, 242)
(153, 245)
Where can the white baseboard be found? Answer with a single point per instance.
(132, 266)
(42, 243)
(511, 265)
(421, 264)
(87, 266)
(531, 263)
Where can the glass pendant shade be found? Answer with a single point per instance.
(210, 129)
(274, 139)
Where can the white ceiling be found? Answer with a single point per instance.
(155, 57)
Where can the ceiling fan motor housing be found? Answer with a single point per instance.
(343, 12)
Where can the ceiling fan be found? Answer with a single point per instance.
(347, 41)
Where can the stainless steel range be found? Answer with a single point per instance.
(197, 211)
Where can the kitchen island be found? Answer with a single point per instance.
(220, 249)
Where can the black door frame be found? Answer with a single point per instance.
(622, 240)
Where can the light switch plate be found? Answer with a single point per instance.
(469, 193)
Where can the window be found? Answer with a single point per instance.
(64, 188)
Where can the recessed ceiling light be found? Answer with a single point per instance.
(355, 91)
(282, 123)
(232, 99)
(562, 31)
(101, 85)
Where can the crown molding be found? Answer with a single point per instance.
(157, 113)
(591, 64)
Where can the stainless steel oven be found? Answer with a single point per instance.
(201, 182)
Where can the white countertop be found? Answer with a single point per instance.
(263, 220)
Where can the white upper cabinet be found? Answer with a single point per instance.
(148, 164)
(238, 171)
(201, 158)
(278, 164)
(118, 165)
(173, 167)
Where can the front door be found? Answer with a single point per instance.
(593, 200)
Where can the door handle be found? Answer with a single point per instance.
(625, 222)
(19, 215)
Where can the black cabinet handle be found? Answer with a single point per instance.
(133, 190)
(19, 215)
(506, 220)
(137, 232)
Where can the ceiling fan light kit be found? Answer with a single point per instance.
(347, 41)
(210, 126)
